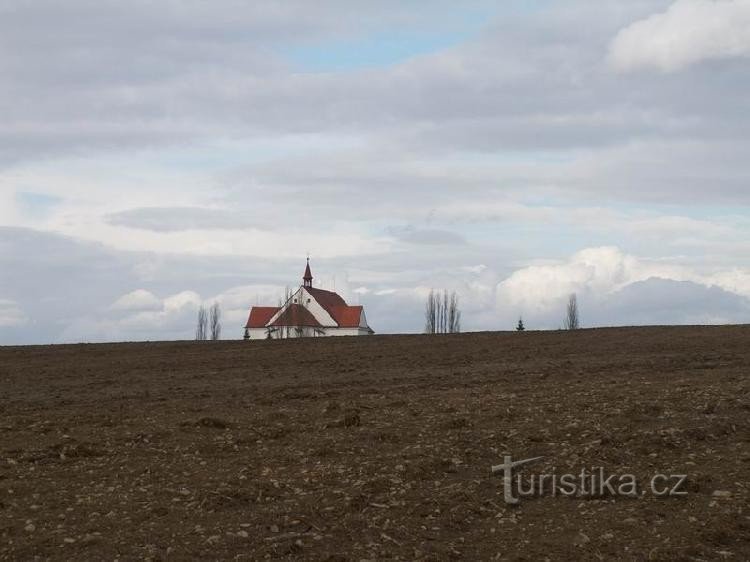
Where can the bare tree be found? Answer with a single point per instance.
(454, 315)
(442, 315)
(215, 321)
(572, 320)
(201, 332)
(430, 314)
(285, 331)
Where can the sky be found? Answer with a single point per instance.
(159, 156)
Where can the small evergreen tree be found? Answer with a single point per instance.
(520, 327)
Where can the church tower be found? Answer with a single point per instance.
(307, 279)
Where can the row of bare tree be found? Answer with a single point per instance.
(209, 323)
(442, 315)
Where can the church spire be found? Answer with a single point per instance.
(308, 278)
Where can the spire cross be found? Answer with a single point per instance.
(307, 278)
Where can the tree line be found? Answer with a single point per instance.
(209, 323)
(443, 315)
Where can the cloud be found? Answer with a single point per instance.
(154, 75)
(11, 314)
(176, 317)
(138, 315)
(594, 270)
(615, 288)
(689, 32)
(429, 236)
(235, 153)
(140, 299)
(175, 219)
(658, 301)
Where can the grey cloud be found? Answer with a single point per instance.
(528, 83)
(655, 301)
(494, 77)
(427, 236)
(55, 280)
(172, 219)
(663, 301)
(116, 71)
(394, 313)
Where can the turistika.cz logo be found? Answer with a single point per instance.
(593, 482)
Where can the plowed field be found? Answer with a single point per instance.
(376, 448)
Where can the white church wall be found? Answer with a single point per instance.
(320, 313)
(262, 333)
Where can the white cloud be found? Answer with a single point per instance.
(735, 280)
(605, 278)
(690, 31)
(141, 315)
(11, 314)
(184, 299)
(477, 269)
(599, 270)
(137, 315)
(140, 299)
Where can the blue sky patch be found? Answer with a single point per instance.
(36, 205)
(377, 50)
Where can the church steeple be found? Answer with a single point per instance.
(307, 279)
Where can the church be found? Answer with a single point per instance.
(309, 312)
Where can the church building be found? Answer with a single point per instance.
(309, 312)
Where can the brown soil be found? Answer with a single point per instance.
(374, 448)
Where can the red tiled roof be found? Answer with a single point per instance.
(326, 299)
(346, 316)
(296, 315)
(260, 315)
